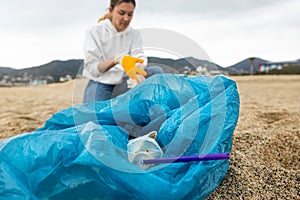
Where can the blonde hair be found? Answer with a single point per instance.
(113, 4)
(104, 17)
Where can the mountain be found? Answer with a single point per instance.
(183, 64)
(243, 67)
(55, 69)
(6, 70)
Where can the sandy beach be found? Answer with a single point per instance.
(265, 160)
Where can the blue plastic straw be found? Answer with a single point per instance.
(218, 156)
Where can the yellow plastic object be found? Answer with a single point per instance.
(128, 63)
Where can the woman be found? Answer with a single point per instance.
(113, 50)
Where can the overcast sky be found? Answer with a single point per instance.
(35, 32)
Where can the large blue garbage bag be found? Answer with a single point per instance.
(80, 153)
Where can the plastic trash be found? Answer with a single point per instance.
(143, 148)
(218, 156)
(81, 151)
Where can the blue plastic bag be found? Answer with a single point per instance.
(80, 153)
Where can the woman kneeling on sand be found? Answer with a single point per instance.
(113, 53)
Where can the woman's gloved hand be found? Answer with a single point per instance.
(129, 65)
(131, 83)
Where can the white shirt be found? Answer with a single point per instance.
(102, 42)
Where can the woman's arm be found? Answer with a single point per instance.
(106, 65)
(95, 62)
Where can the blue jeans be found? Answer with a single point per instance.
(96, 91)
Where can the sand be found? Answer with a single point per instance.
(265, 160)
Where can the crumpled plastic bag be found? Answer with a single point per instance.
(81, 152)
